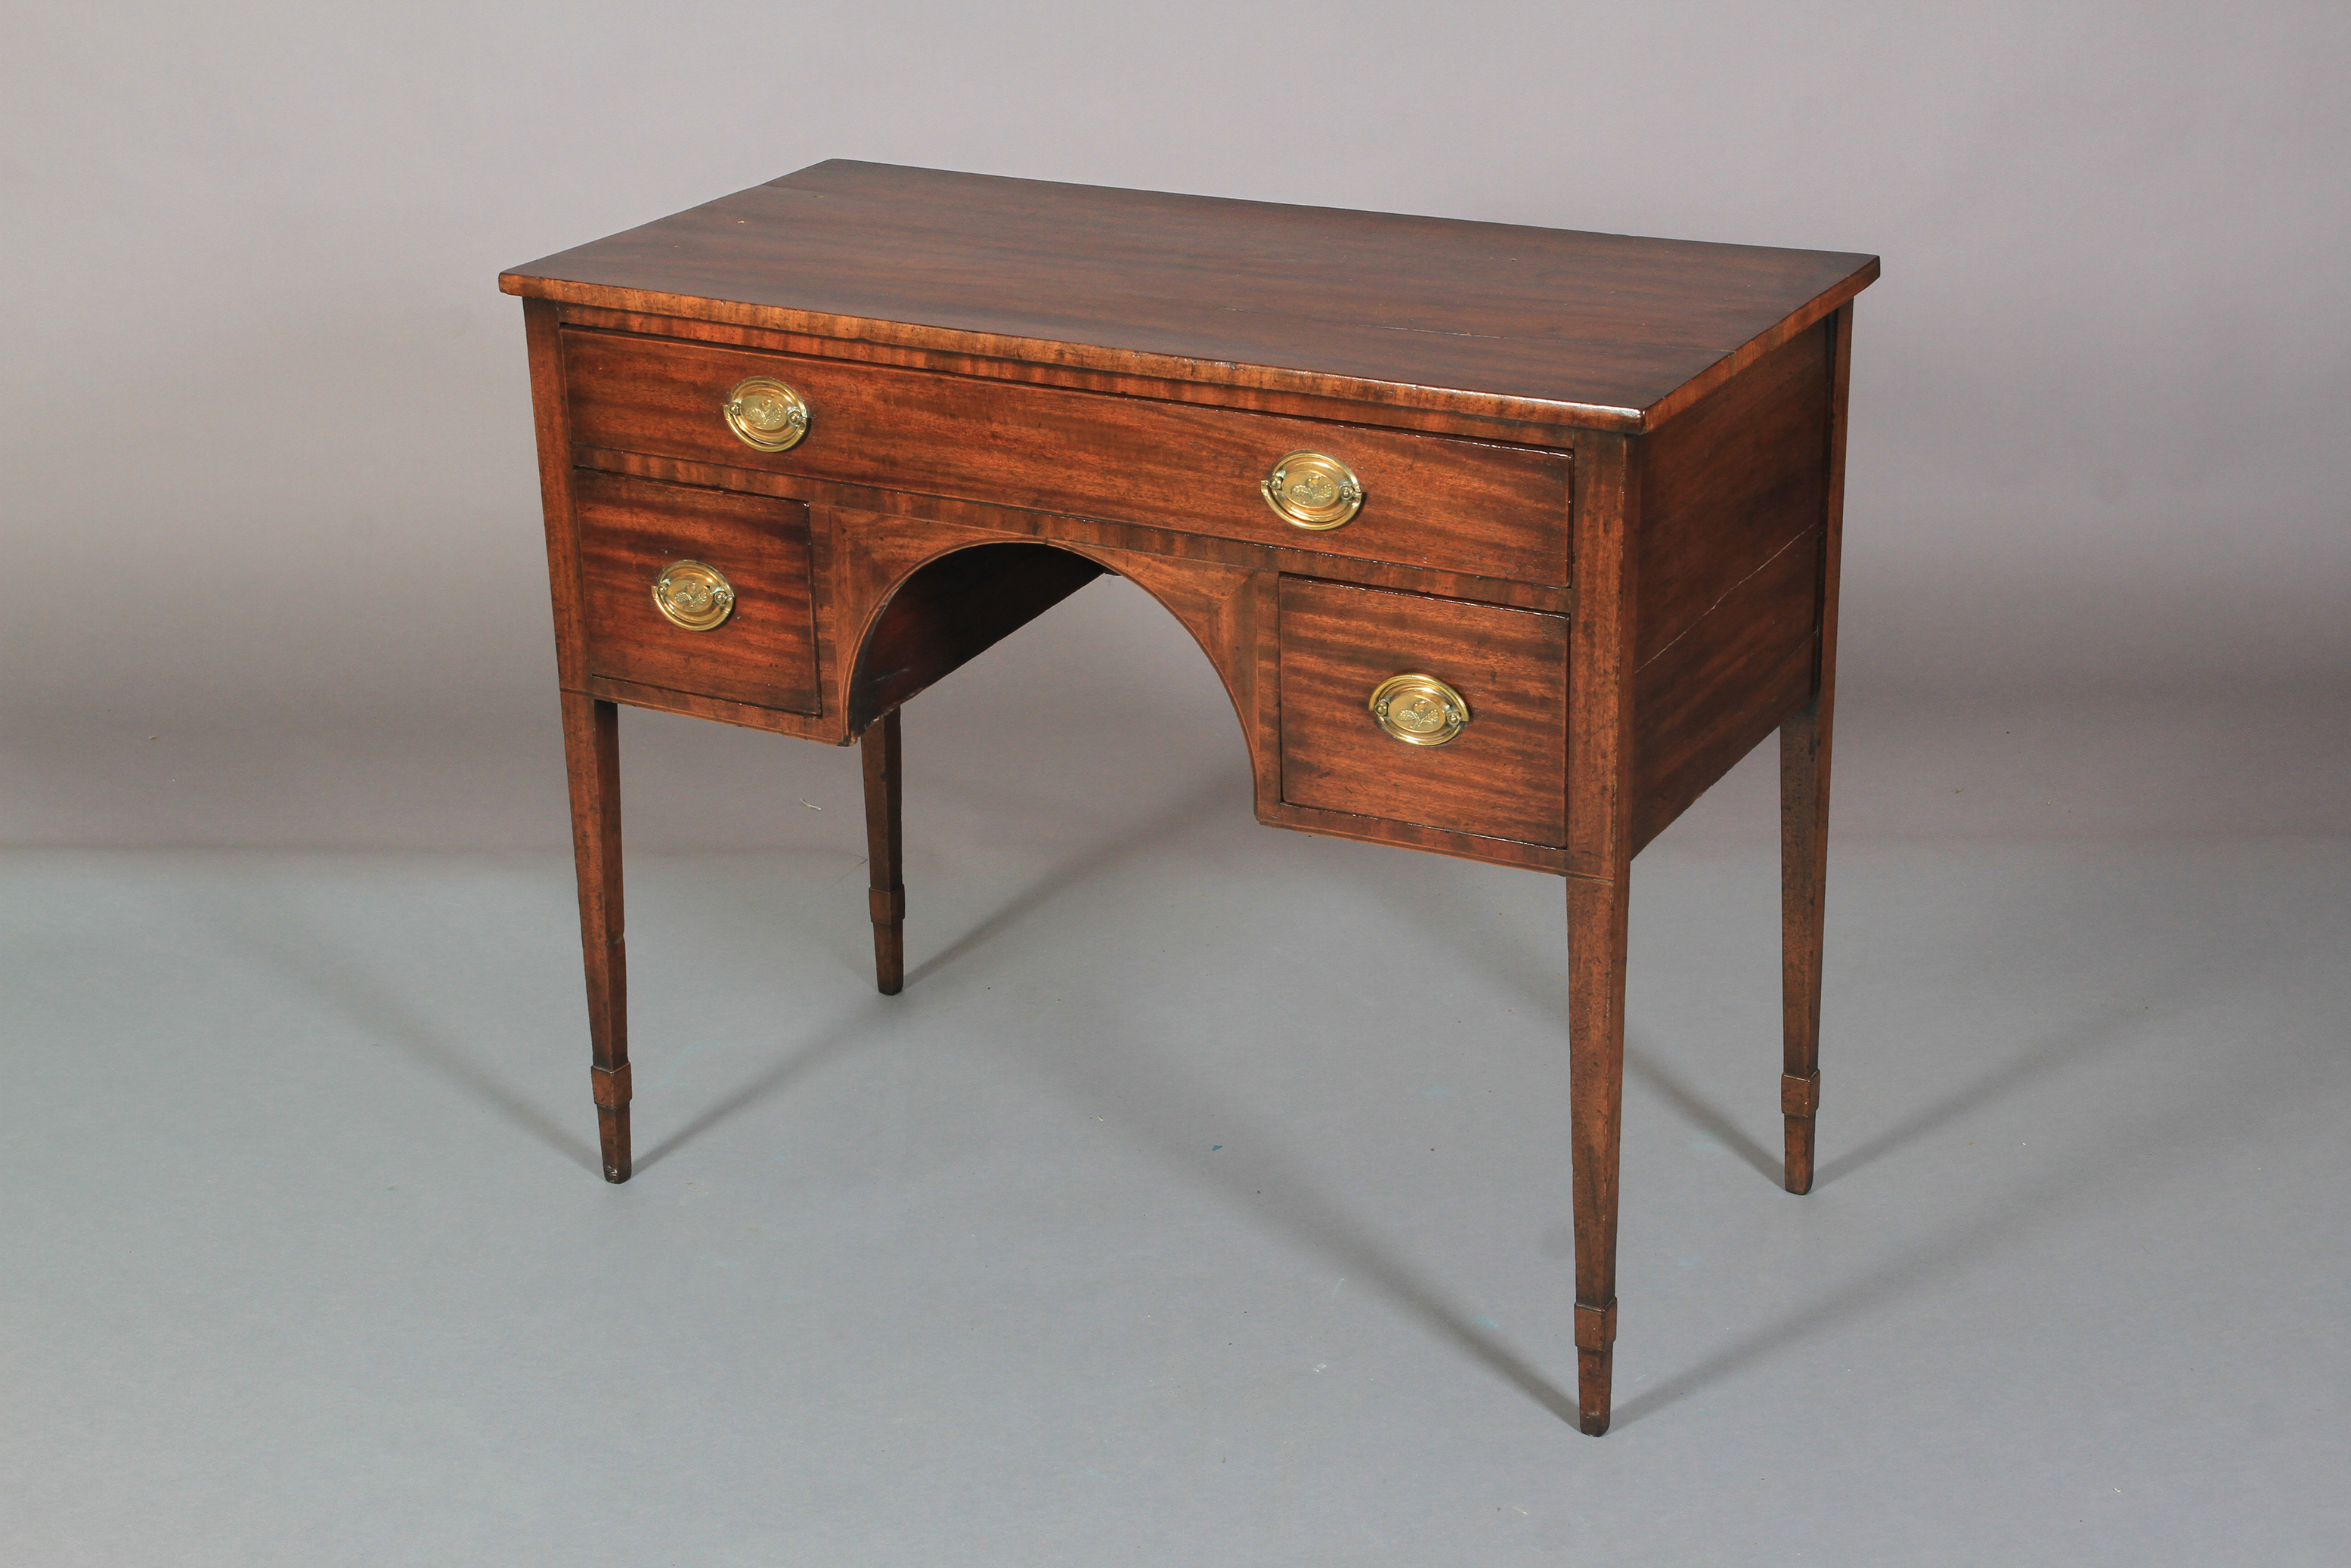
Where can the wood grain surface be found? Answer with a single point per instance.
(1727, 486)
(592, 751)
(1733, 495)
(1455, 506)
(1504, 776)
(763, 654)
(1805, 751)
(1600, 714)
(947, 512)
(1604, 482)
(1077, 378)
(1551, 325)
(1718, 690)
(950, 611)
(882, 761)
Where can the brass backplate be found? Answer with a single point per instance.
(1419, 710)
(765, 414)
(694, 596)
(1313, 490)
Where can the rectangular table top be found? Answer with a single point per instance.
(1500, 319)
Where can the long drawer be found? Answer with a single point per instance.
(1425, 501)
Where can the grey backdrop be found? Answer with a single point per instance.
(1204, 1196)
(271, 514)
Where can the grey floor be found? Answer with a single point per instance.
(1202, 1199)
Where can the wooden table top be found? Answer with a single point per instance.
(1554, 326)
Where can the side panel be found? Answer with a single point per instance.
(1735, 493)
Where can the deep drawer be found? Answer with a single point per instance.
(1503, 775)
(1428, 501)
(632, 531)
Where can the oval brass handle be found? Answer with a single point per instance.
(1313, 490)
(1419, 710)
(765, 414)
(694, 596)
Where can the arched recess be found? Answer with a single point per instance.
(960, 601)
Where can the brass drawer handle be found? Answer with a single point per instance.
(1312, 490)
(1419, 710)
(694, 596)
(765, 414)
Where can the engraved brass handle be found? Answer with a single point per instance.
(1312, 490)
(694, 596)
(765, 414)
(1419, 710)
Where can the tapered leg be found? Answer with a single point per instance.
(1803, 880)
(1596, 1028)
(592, 751)
(1600, 788)
(884, 847)
(1804, 810)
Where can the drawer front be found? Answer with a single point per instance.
(1504, 775)
(631, 530)
(1428, 501)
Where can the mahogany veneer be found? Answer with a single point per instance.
(1601, 492)
(1499, 779)
(764, 654)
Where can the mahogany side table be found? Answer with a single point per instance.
(1507, 542)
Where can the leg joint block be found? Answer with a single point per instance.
(1800, 1096)
(1595, 1327)
(612, 1084)
(888, 904)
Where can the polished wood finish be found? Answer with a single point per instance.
(1710, 697)
(1804, 806)
(951, 610)
(1501, 777)
(1603, 484)
(885, 852)
(1599, 875)
(1598, 330)
(1457, 506)
(1437, 418)
(1725, 487)
(552, 417)
(591, 760)
(1733, 506)
(591, 742)
(1080, 532)
(763, 654)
